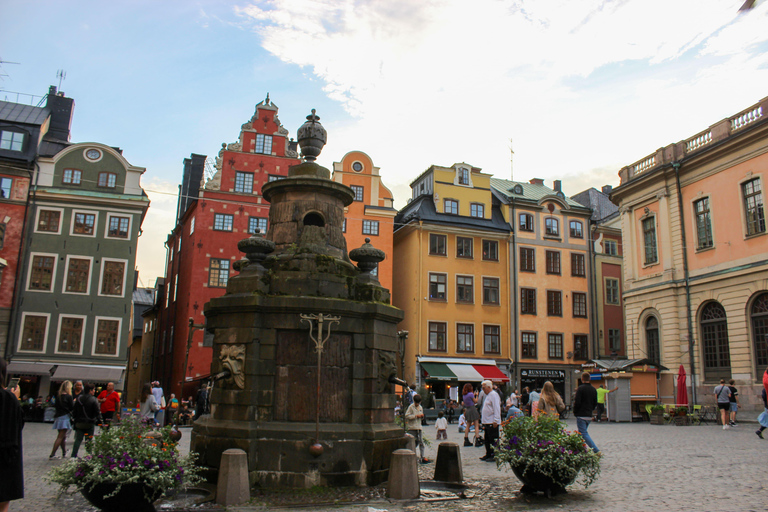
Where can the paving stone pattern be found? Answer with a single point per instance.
(645, 467)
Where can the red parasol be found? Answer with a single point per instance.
(682, 390)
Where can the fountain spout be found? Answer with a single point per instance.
(222, 375)
(394, 380)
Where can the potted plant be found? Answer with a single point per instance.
(128, 467)
(544, 456)
(657, 415)
(681, 418)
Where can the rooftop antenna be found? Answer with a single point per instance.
(511, 161)
(6, 62)
(61, 75)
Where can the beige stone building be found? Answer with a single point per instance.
(696, 260)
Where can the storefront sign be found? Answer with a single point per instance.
(545, 374)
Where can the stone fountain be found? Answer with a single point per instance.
(300, 312)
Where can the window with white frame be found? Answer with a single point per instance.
(371, 227)
(13, 141)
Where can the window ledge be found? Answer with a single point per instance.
(755, 235)
(553, 237)
(705, 249)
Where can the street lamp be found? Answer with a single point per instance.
(135, 365)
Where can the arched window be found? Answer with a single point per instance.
(760, 333)
(652, 339)
(714, 336)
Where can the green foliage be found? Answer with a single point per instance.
(681, 411)
(657, 409)
(543, 445)
(130, 452)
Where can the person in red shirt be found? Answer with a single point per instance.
(110, 401)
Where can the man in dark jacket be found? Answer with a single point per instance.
(584, 403)
(87, 414)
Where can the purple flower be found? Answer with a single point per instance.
(518, 453)
(514, 439)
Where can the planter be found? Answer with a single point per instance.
(534, 482)
(130, 498)
(682, 421)
(657, 419)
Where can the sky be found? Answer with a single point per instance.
(578, 89)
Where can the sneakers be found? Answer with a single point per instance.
(759, 434)
(726, 427)
(425, 460)
(734, 424)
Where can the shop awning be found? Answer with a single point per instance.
(491, 373)
(438, 371)
(465, 372)
(22, 368)
(89, 373)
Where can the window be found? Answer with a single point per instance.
(72, 176)
(255, 223)
(490, 290)
(13, 141)
(555, 346)
(192, 226)
(358, 190)
(526, 222)
(490, 250)
(611, 291)
(107, 179)
(579, 305)
(118, 227)
(464, 247)
(465, 338)
(527, 301)
(652, 339)
(263, 144)
(491, 339)
(218, 274)
(528, 344)
(244, 182)
(222, 222)
(274, 177)
(106, 336)
(611, 247)
(759, 315)
(48, 221)
(649, 239)
(437, 244)
(703, 224)
(551, 227)
(580, 347)
(527, 259)
(451, 206)
(465, 289)
(113, 277)
(84, 223)
(70, 334)
(33, 333)
(463, 176)
(371, 227)
(577, 265)
(714, 334)
(437, 286)
(375, 271)
(477, 210)
(554, 303)
(614, 339)
(6, 184)
(576, 229)
(553, 262)
(78, 274)
(437, 332)
(753, 206)
(41, 275)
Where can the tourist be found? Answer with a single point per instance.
(450, 411)
(11, 460)
(550, 402)
(441, 425)
(723, 396)
(185, 414)
(77, 389)
(86, 415)
(462, 422)
(471, 416)
(413, 417)
(525, 401)
(61, 421)
(514, 412)
(173, 407)
(110, 402)
(763, 418)
(157, 392)
(584, 403)
(734, 402)
(491, 420)
(602, 393)
(201, 403)
(513, 400)
(149, 405)
(533, 399)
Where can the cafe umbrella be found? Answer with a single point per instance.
(682, 390)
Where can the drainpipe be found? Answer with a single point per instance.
(676, 167)
(513, 297)
(593, 320)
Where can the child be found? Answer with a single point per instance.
(462, 422)
(442, 426)
(413, 416)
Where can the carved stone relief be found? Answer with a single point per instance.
(232, 358)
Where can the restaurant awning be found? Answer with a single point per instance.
(465, 372)
(491, 373)
(438, 371)
(22, 368)
(89, 373)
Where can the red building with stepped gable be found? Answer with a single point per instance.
(212, 217)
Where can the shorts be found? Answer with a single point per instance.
(734, 407)
(724, 406)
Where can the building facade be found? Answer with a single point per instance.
(696, 273)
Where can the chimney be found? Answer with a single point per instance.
(607, 189)
(558, 186)
(194, 168)
(536, 181)
(61, 109)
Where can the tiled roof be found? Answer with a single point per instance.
(24, 114)
(144, 296)
(530, 191)
(423, 208)
(602, 207)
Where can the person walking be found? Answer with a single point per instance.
(491, 418)
(110, 402)
(441, 425)
(584, 403)
(11, 459)
(413, 417)
(602, 393)
(723, 397)
(525, 397)
(763, 418)
(550, 401)
(734, 402)
(86, 414)
(533, 399)
(149, 405)
(61, 421)
(77, 388)
(157, 392)
(471, 416)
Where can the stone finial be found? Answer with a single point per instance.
(312, 137)
(256, 247)
(367, 256)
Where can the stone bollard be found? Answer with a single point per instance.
(403, 476)
(448, 463)
(410, 443)
(232, 487)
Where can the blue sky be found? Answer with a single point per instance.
(582, 88)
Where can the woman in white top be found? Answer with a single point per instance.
(148, 404)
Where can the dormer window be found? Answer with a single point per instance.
(463, 176)
(263, 144)
(13, 141)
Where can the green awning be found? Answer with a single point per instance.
(438, 371)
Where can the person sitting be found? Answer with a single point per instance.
(185, 414)
(514, 412)
(462, 422)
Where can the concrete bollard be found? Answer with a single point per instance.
(403, 476)
(448, 464)
(232, 487)
(410, 443)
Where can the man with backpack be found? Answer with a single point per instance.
(723, 396)
(86, 414)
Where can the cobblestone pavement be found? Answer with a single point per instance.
(644, 467)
